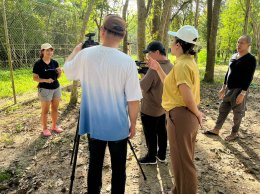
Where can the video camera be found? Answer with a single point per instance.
(141, 67)
(89, 42)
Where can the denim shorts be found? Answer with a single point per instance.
(49, 94)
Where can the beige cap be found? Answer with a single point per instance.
(46, 46)
(115, 24)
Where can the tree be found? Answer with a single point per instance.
(74, 92)
(142, 12)
(255, 23)
(125, 41)
(156, 19)
(212, 25)
(231, 17)
(196, 17)
(247, 13)
(165, 22)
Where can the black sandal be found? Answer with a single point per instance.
(209, 132)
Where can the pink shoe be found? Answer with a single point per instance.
(57, 130)
(46, 133)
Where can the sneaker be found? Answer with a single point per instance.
(147, 160)
(57, 130)
(46, 133)
(161, 159)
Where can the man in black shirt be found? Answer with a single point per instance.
(235, 89)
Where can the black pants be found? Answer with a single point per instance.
(154, 127)
(118, 151)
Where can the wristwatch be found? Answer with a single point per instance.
(243, 92)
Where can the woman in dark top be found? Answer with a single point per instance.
(46, 71)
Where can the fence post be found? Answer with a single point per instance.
(8, 49)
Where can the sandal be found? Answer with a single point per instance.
(57, 130)
(231, 137)
(46, 133)
(211, 132)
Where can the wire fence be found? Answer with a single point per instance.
(24, 26)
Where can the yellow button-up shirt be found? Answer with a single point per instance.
(184, 71)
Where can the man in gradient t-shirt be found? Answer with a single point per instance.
(110, 101)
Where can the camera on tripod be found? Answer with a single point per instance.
(89, 42)
(141, 67)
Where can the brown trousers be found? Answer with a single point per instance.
(182, 127)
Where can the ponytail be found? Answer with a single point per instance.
(187, 48)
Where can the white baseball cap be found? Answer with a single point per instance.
(46, 46)
(186, 33)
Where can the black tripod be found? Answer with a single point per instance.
(74, 156)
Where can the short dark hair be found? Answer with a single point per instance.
(113, 33)
(155, 46)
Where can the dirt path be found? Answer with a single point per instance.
(39, 165)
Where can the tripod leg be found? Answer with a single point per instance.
(136, 158)
(74, 163)
(74, 144)
(74, 156)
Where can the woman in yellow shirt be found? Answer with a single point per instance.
(181, 97)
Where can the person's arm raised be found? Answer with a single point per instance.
(153, 64)
(74, 52)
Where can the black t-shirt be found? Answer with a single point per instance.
(46, 71)
(240, 72)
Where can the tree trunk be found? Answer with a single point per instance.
(165, 37)
(164, 19)
(156, 20)
(141, 15)
(8, 49)
(256, 32)
(74, 91)
(255, 23)
(196, 17)
(211, 39)
(247, 13)
(125, 41)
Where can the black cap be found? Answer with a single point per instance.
(154, 46)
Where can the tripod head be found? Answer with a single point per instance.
(89, 42)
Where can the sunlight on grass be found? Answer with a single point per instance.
(23, 82)
(6, 138)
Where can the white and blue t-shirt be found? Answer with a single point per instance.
(109, 79)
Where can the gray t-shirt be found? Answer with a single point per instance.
(152, 88)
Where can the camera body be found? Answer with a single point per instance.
(89, 42)
(141, 67)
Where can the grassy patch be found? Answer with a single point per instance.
(7, 139)
(5, 176)
(23, 82)
(65, 98)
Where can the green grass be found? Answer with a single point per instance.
(4, 176)
(6, 138)
(23, 82)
